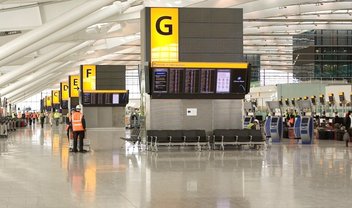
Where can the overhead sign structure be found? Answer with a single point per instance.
(64, 90)
(48, 101)
(44, 102)
(74, 86)
(164, 34)
(55, 95)
(103, 85)
(89, 77)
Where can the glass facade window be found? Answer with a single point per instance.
(254, 60)
(330, 57)
(32, 103)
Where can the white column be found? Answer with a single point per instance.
(51, 27)
(116, 8)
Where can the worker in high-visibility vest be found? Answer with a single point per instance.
(57, 116)
(78, 128)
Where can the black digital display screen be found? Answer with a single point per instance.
(207, 81)
(192, 81)
(105, 99)
(160, 80)
(199, 83)
(246, 120)
(64, 104)
(239, 81)
(274, 120)
(176, 81)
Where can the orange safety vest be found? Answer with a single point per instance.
(77, 121)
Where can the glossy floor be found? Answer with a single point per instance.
(36, 170)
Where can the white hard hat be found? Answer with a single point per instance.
(78, 107)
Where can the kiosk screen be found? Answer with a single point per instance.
(259, 118)
(274, 120)
(247, 120)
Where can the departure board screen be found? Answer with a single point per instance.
(105, 99)
(64, 104)
(223, 81)
(160, 80)
(207, 80)
(190, 82)
(176, 80)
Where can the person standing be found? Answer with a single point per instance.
(34, 117)
(78, 128)
(57, 116)
(30, 118)
(51, 118)
(347, 123)
(42, 118)
(68, 125)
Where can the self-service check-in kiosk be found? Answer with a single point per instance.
(306, 129)
(275, 125)
(305, 123)
(249, 109)
(247, 120)
(297, 127)
(267, 127)
(276, 128)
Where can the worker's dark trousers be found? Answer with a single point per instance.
(77, 134)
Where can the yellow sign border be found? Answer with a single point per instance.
(208, 65)
(106, 91)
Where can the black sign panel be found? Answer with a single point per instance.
(110, 87)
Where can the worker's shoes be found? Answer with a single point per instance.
(83, 151)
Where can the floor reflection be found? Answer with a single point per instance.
(298, 175)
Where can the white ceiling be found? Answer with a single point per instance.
(102, 36)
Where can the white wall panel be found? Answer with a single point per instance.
(20, 19)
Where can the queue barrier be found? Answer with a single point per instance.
(7, 124)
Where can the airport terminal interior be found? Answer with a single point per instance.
(175, 103)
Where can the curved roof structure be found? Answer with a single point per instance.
(44, 41)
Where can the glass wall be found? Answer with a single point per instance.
(32, 103)
(254, 60)
(323, 54)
